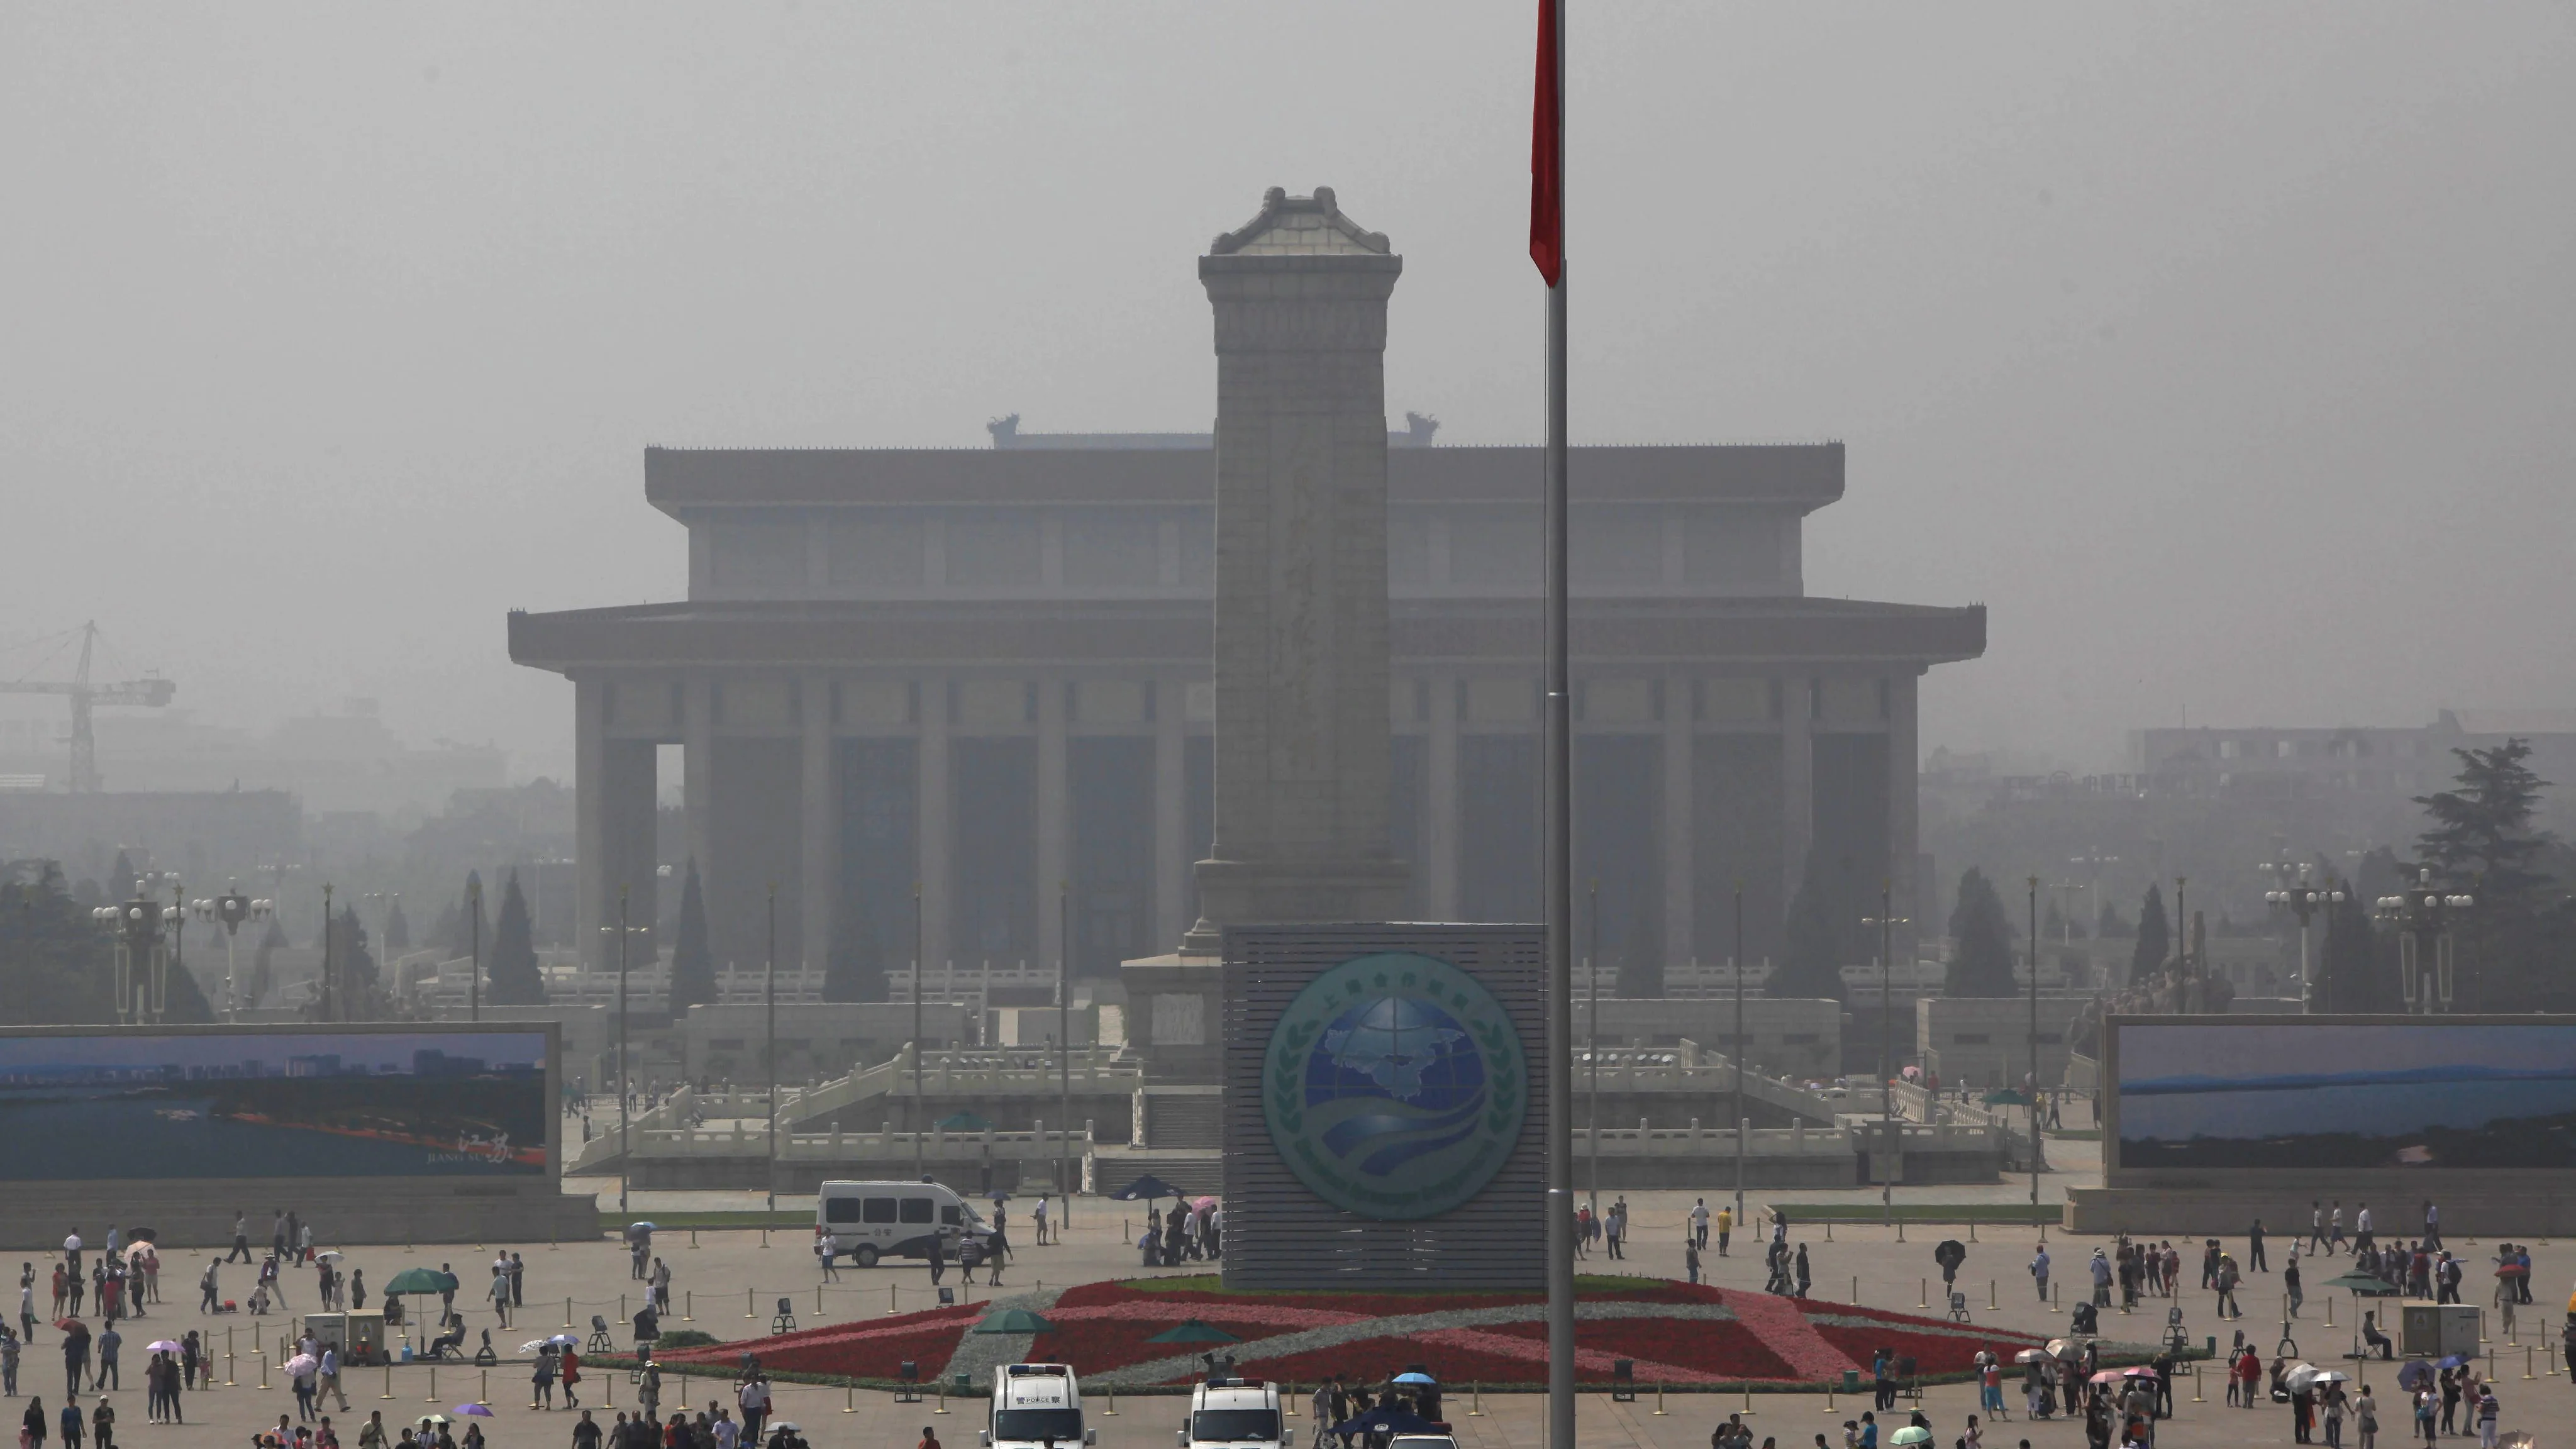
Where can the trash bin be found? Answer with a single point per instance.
(1623, 1381)
(1851, 1381)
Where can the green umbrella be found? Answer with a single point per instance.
(1014, 1320)
(421, 1280)
(1190, 1330)
(963, 1122)
(2364, 1285)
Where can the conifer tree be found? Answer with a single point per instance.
(1981, 957)
(514, 977)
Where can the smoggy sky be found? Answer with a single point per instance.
(2223, 351)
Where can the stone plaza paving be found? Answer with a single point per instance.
(710, 1280)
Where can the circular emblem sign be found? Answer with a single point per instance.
(1394, 1086)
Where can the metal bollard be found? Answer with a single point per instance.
(746, 1305)
(228, 1356)
(1112, 1410)
(483, 1389)
(693, 1240)
(1659, 1398)
(567, 1313)
(818, 1300)
(389, 1380)
(1476, 1400)
(1855, 1288)
(262, 1355)
(764, 1237)
(1990, 1294)
(890, 1308)
(1829, 1230)
(1923, 1292)
(433, 1383)
(943, 1398)
(849, 1399)
(688, 1306)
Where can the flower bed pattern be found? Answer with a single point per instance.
(1675, 1334)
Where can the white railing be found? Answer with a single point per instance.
(1042, 1143)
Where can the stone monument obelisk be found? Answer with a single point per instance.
(1302, 740)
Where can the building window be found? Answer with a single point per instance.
(877, 553)
(1107, 548)
(1000, 551)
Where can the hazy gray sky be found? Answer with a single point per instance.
(2225, 352)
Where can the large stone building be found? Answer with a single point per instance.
(985, 675)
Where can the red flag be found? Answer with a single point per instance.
(1547, 156)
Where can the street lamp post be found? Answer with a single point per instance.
(2304, 900)
(919, 966)
(1064, 1045)
(2037, 1164)
(1592, 1061)
(2423, 915)
(625, 933)
(325, 998)
(474, 949)
(769, 1052)
(231, 909)
(1887, 921)
(1740, 1119)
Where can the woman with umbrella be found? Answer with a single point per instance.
(301, 1370)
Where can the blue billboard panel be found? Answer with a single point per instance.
(2280, 1094)
(141, 1104)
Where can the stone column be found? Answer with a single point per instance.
(1171, 810)
(1055, 824)
(1439, 862)
(1302, 757)
(819, 801)
(1797, 780)
(698, 783)
(931, 800)
(1902, 809)
(594, 897)
(1681, 879)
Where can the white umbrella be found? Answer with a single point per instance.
(2329, 1376)
(328, 1255)
(2031, 1355)
(300, 1365)
(533, 1347)
(2299, 1374)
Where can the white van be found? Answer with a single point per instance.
(1234, 1414)
(1036, 1405)
(873, 1220)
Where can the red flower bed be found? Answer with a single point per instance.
(1104, 1331)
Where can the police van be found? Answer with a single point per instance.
(1036, 1405)
(873, 1220)
(1234, 1414)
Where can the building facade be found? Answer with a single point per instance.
(958, 705)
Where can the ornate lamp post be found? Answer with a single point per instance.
(134, 936)
(2305, 900)
(229, 910)
(2423, 915)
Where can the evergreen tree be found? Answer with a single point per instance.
(2155, 939)
(2482, 832)
(693, 967)
(1811, 959)
(469, 913)
(2356, 966)
(263, 971)
(53, 957)
(353, 969)
(121, 878)
(512, 958)
(1981, 958)
(397, 930)
(2110, 924)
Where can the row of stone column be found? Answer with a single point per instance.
(818, 832)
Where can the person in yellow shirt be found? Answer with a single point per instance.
(1725, 1227)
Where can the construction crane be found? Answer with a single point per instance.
(151, 692)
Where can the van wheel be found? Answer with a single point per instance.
(866, 1256)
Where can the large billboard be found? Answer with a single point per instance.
(2295, 1093)
(252, 1102)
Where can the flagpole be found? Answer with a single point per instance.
(1550, 149)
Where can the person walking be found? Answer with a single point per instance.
(208, 1298)
(109, 1341)
(938, 1258)
(33, 1426)
(241, 1239)
(499, 1293)
(2293, 1296)
(72, 1422)
(1690, 1258)
(2488, 1411)
(541, 1379)
(996, 1249)
(568, 1368)
(8, 1363)
(75, 1357)
(331, 1376)
(2254, 1261)
(2039, 1271)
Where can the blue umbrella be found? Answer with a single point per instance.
(2456, 1360)
(1145, 1189)
(1415, 1379)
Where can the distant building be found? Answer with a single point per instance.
(2309, 762)
(988, 672)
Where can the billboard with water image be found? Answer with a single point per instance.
(81, 1105)
(2349, 1093)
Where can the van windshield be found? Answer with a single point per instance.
(1037, 1425)
(1233, 1426)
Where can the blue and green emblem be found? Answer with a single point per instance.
(1395, 1086)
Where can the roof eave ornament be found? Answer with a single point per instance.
(1276, 201)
